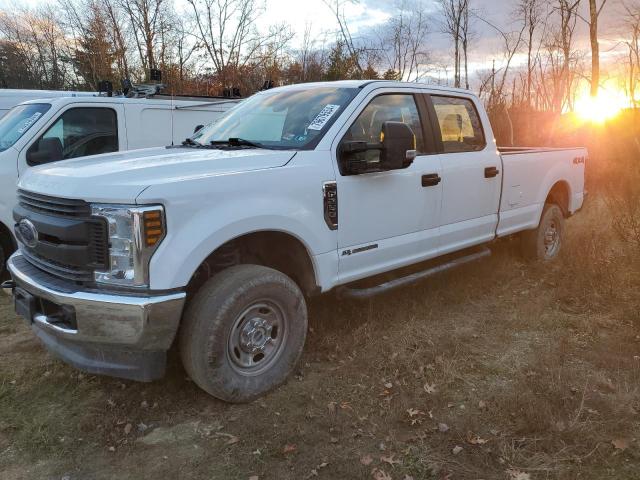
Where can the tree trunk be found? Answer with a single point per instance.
(595, 49)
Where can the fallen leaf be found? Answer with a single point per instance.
(127, 428)
(366, 460)
(620, 443)
(475, 439)
(390, 460)
(412, 412)
(429, 388)
(456, 450)
(517, 475)
(379, 474)
(314, 471)
(230, 439)
(289, 448)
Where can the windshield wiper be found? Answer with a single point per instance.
(237, 142)
(190, 142)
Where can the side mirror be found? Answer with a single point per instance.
(197, 129)
(396, 150)
(49, 150)
(398, 146)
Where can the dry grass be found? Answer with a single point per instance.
(539, 361)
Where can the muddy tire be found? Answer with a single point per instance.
(243, 332)
(544, 243)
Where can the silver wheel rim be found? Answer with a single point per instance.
(257, 337)
(551, 239)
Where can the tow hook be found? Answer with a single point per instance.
(7, 287)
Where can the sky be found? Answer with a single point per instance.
(365, 15)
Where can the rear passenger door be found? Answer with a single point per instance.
(471, 173)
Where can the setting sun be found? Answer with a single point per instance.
(604, 107)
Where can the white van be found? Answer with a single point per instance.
(51, 129)
(10, 97)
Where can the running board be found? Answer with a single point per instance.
(360, 293)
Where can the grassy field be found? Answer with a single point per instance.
(500, 370)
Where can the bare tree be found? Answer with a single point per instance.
(227, 32)
(337, 8)
(454, 13)
(632, 21)
(531, 11)
(592, 21)
(561, 40)
(403, 40)
(149, 23)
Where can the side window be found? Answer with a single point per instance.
(386, 108)
(460, 126)
(78, 132)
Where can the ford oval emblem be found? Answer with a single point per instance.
(27, 233)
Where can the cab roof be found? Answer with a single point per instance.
(378, 83)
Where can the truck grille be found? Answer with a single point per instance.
(71, 243)
(53, 205)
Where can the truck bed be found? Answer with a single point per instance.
(529, 175)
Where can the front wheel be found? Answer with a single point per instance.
(544, 242)
(243, 332)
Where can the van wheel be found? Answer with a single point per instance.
(544, 242)
(243, 332)
(4, 272)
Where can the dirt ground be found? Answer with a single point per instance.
(500, 370)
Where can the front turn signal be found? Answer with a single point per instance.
(153, 227)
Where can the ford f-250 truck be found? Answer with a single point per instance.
(299, 190)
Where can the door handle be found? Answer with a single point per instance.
(491, 172)
(430, 179)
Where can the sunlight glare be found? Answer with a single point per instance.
(604, 107)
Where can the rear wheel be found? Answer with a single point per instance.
(544, 242)
(243, 332)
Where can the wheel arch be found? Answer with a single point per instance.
(277, 249)
(560, 194)
(7, 240)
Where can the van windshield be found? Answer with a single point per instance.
(19, 119)
(285, 119)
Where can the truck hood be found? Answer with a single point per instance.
(121, 177)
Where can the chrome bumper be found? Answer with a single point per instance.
(137, 322)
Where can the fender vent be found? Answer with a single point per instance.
(330, 200)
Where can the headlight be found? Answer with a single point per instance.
(134, 234)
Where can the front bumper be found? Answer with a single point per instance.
(110, 333)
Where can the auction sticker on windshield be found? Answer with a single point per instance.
(323, 117)
(28, 122)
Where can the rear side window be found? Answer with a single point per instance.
(460, 126)
(81, 132)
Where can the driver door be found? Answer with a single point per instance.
(388, 219)
(76, 132)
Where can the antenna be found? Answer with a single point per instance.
(172, 113)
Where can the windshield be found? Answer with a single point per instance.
(19, 119)
(289, 119)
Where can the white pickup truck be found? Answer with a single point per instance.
(299, 190)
